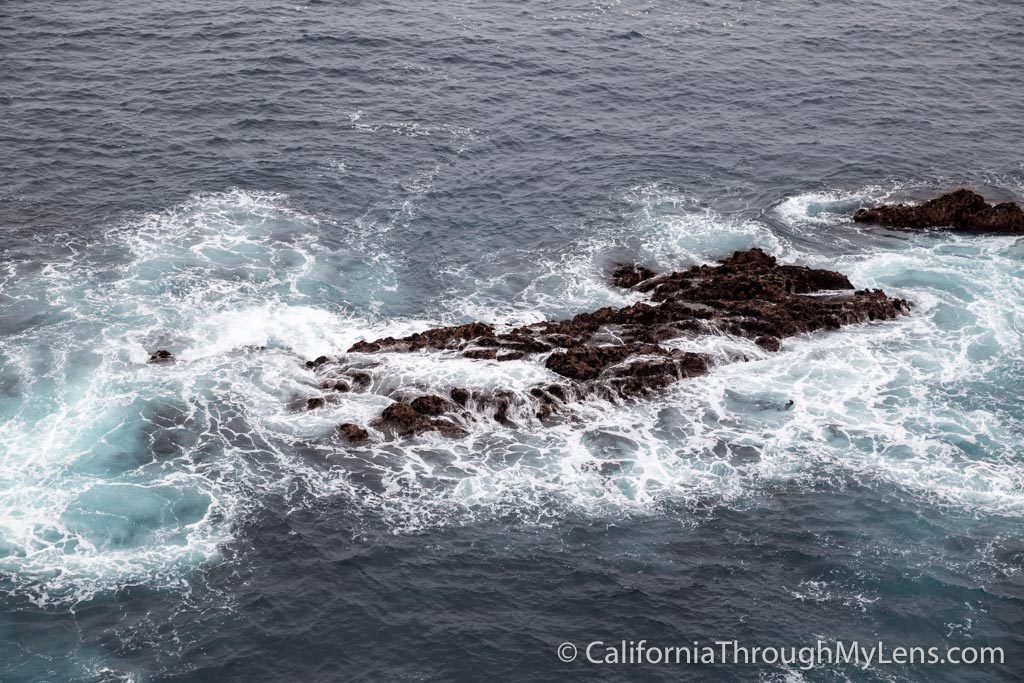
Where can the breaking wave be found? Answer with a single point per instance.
(114, 471)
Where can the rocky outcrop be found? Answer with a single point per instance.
(430, 405)
(161, 357)
(960, 210)
(353, 432)
(404, 419)
(439, 338)
(619, 353)
(628, 275)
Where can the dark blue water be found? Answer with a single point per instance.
(213, 178)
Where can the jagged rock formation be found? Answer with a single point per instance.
(619, 353)
(960, 210)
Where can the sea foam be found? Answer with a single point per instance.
(114, 471)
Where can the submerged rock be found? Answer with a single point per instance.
(361, 379)
(338, 385)
(961, 210)
(620, 353)
(161, 357)
(321, 360)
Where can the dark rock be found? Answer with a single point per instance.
(315, 402)
(361, 379)
(448, 428)
(746, 275)
(437, 338)
(501, 414)
(960, 210)
(365, 347)
(755, 259)
(353, 432)
(652, 372)
(1005, 217)
(619, 352)
(629, 275)
(402, 419)
(161, 357)
(430, 405)
(320, 360)
(945, 210)
(541, 395)
(587, 362)
(481, 354)
(398, 411)
(558, 391)
(525, 343)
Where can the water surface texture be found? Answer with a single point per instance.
(251, 186)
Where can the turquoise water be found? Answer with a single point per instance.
(251, 190)
(119, 473)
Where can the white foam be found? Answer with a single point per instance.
(461, 138)
(661, 227)
(879, 403)
(678, 229)
(209, 277)
(824, 208)
(304, 330)
(899, 404)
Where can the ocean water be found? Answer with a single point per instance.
(254, 186)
